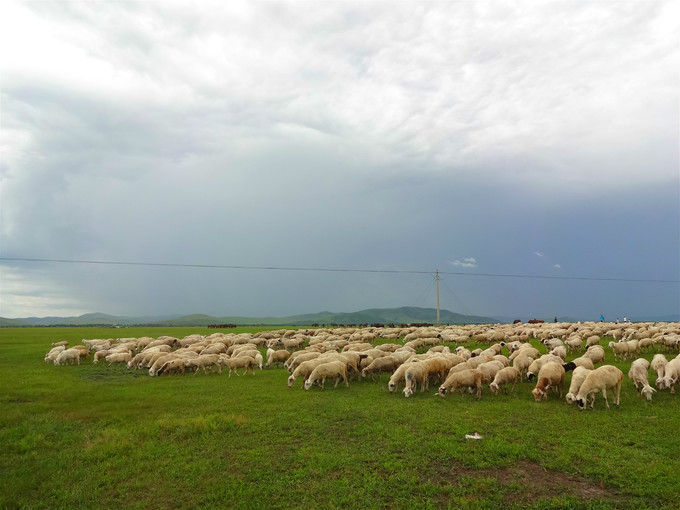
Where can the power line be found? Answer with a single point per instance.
(337, 270)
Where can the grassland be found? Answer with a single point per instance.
(103, 437)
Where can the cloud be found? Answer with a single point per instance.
(557, 266)
(467, 262)
(264, 133)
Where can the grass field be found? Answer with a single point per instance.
(93, 436)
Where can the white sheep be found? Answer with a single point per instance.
(276, 357)
(53, 353)
(658, 364)
(638, 373)
(461, 380)
(335, 369)
(397, 377)
(577, 377)
(416, 373)
(504, 377)
(595, 353)
(601, 379)
(304, 370)
(68, 355)
(118, 357)
(246, 362)
(672, 374)
(551, 375)
(205, 362)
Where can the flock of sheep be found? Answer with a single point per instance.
(417, 356)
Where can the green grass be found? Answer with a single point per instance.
(93, 436)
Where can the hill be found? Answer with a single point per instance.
(403, 315)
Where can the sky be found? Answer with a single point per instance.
(527, 150)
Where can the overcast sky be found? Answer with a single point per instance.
(478, 138)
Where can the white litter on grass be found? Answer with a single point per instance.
(473, 436)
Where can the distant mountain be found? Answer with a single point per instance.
(404, 315)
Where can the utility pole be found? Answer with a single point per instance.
(437, 278)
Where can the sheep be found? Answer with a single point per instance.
(159, 362)
(536, 365)
(525, 350)
(304, 370)
(522, 363)
(276, 357)
(68, 355)
(204, 361)
(584, 362)
(504, 377)
(574, 343)
(551, 375)
(490, 369)
(416, 373)
(234, 364)
(298, 357)
(384, 364)
(63, 343)
(620, 349)
(53, 353)
(397, 377)
(672, 374)
(601, 379)
(560, 351)
(592, 340)
(118, 357)
(335, 369)
(461, 380)
(172, 366)
(595, 353)
(658, 364)
(639, 370)
(577, 378)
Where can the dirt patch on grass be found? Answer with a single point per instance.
(528, 482)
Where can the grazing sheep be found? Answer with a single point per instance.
(595, 354)
(592, 340)
(551, 375)
(205, 362)
(159, 362)
(63, 343)
(304, 370)
(504, 377)
(620, 349)
(490, 369)
(672, 374)
(68, 355)
(536, 365)
(276, 357)
(577, 378)
(461, 380)
(118, 357)
(658, 364)
(335, 369)
(173, 366)
(584, 362)
(53, 353)
(560, 352)
(601, 379)
(522, 363)
(638, 373)
(246, 362)
(416, 373)
(397, 377)
(383, 364)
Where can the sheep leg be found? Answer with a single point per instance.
(604, 394)
(618, 393)
(337, 380)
